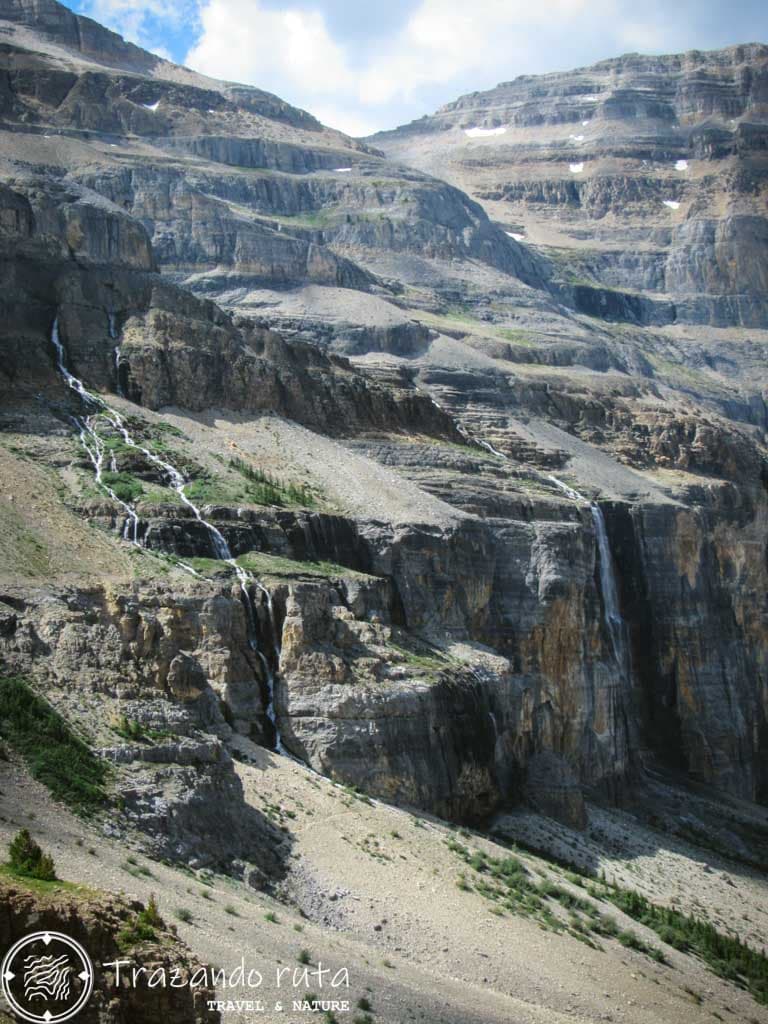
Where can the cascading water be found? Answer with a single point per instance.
(112, 321)
(94, 446)
(611, 610)
(89, 438)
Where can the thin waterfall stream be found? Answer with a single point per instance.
(95, 449)
(611, 609)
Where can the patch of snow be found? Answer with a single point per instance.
(342, 170)
(151, 106)
(576, 168)
(479, 133)
(576, 138)
(514, 234)
(211, 110)
(584, 124)
(589, 99)
(681, 165)
(672, 204)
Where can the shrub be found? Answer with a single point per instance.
(143, 927)
(123, 486)
(184, 914)
(726, 955)
(304, 957)
(27, 859)
(268, 490)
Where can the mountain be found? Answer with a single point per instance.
(332, 514)
(644, 174)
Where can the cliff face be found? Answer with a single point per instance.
(99, 922)
(643, 174)
(499, 527)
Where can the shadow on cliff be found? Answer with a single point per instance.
(665, 815)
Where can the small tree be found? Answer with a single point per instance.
(28, 859)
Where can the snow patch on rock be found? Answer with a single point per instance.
(480, 133)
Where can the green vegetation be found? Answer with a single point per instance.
(184, 914)
(55, 756)
(142, 928)
(516, 337)
(27, 860)
(274, 565)
(130, 729)
(315, 220)
(124, 486)
(207, 489)
(264, 489)
(726, 955)
(132, 866)
(508, 884)
(419, 656)
(304, 957)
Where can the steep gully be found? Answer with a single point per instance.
(95, 449)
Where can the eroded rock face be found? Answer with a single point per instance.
(473, 665)
(694, 593)
(67, 253)
(95, 921)
(656, 164)
(180, 666)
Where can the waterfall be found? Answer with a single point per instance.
(112, 322)
(94, 446)
(90, 440)
(612, 614)
(495, 727)
(611, 610)
(614, 621)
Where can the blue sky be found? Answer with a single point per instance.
(365, 65)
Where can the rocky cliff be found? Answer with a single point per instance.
(452, 518)
(639, 174)
(109, 928)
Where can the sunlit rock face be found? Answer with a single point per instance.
(556, 352)
(643, 174)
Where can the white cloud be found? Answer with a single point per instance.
(242, 41)
(130, 17)
(444, 39)
(292, 52)
(349, 119)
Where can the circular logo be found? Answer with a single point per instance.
(46, 978)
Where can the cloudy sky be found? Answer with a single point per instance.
(370, 64)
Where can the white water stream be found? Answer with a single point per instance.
(95, 448)
(613, 618)
(611, 608)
